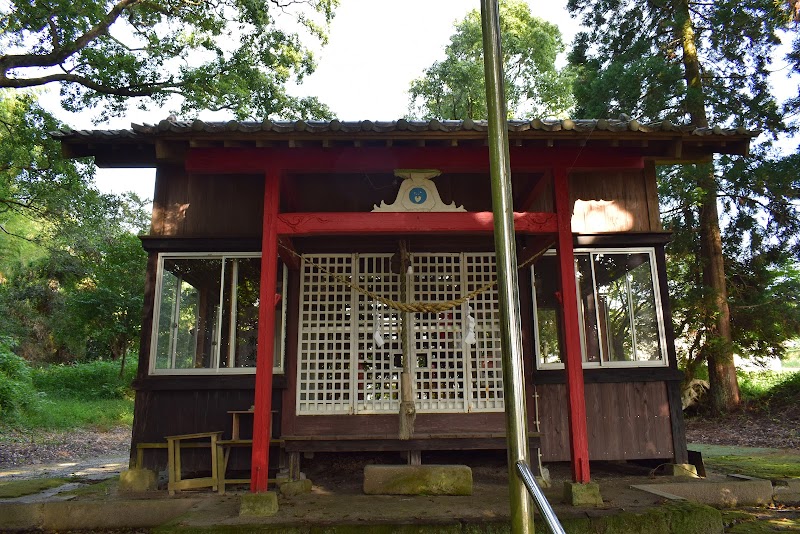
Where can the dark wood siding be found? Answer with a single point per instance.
(167, 406)
(613, 202)
(206, 206)
(626, 421)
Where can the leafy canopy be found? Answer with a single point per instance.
(234, 55)
(455, 88)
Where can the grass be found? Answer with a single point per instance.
(759, 521)
(65, 414)
(18, 488)
(771, 466)
(64, 397)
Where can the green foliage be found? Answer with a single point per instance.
(35, 182)
(85, 381)
(59, 397)
(235, 55)
(701, 63)
(455, 88)
(16, 387)
(60, 238)
(64, 414)
(772, 392)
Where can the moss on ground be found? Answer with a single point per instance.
(18, 488)
(92, 488)
(771, 466)
(760, 521)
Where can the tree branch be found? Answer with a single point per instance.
(60, 54)
(130, 91)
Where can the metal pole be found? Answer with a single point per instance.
(505, 251)
(541, 501)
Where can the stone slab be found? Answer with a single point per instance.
(720, 494)
(417, 480)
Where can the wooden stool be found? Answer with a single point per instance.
(176, 483)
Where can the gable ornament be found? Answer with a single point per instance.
(418, 192)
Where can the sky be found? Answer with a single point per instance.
(375, 49)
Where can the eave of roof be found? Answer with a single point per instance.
(146, 144)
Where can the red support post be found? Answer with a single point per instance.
(576, 400)
(259, 474)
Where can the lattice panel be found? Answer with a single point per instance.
(324, 368)
(486, 386)
(379, 368)
(440, 384)
(342, 368)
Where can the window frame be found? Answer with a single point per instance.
(658, 305)
(279, 356)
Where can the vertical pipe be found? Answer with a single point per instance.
(259, 474)
(576, 402)
(508, 284)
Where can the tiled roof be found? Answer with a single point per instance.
(583, 126)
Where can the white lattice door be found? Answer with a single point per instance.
(350, 351)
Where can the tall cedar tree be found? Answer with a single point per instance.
(454, 88)
(700, 63)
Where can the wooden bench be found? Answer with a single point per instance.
(141, 447)
(224, 447)
(174, 445)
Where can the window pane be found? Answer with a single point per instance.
(645, 320)
(626, 307)
(188, 311)
(240, 312)
(587, 308)
(548, 316)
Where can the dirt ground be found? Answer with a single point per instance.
(25, 448)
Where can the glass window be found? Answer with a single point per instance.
(620, 311)
(207, 314)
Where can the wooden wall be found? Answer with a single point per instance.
(206, 206)
(626, 421)
(167, 406)
(614, 202)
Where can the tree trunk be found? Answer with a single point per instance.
(718, 347)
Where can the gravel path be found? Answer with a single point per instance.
(35, 448)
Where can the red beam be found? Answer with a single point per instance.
(334, 160)
(576, 399)
(259, 473)
(357, 223)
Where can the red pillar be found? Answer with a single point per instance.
(576, 401)
(266, 334)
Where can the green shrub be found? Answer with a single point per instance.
(16, 387)
(756, 385)
(65, 414)
(85, 381)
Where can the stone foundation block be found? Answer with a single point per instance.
(578, 494)
(787, 491)
(295, 487)
(259, 504)
(133, 480)
(417, 480)
(680, 470)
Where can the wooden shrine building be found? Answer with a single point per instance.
(310, 217)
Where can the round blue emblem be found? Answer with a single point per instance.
(418, 195)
